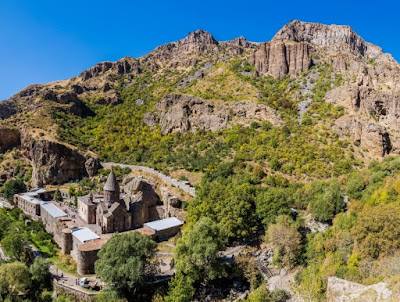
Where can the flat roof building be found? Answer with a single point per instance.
(84, 234)
(164, 228)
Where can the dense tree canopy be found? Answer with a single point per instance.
(286, 239)
(196, 253)
(125, 262)
(14, 280)
(377, 231)
(12, 187)
(17, 246)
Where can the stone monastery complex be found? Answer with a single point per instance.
(98, 218)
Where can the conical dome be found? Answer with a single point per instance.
(111, 183)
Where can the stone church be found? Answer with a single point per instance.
(111, 213)
(115, 212)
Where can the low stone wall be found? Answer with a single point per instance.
(77, 294)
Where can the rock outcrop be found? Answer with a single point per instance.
(171, 203)
(7, 109)
(196, 41)
(122, 66)
(9, 138)
(334, 37)
(280, 58)
(52, 162)
(182, 113)
(141, 200)
(340, 290)
(372, 117)
(92, 166)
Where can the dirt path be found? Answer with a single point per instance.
(166, 179)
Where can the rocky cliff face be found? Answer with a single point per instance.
(280, 58)
(7, 109)
(369, 94)
(334, 37)
(123, 66)
(52, 162)
(182, 113)
(197, 41)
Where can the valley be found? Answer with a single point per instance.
(280, 157)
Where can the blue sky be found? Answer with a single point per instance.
(43, 41)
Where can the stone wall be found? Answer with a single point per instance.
(87, 212)
(77, 294)
(86, 260)
(163, 234)
(50, 223)
(30, 209)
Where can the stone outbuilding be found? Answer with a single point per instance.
(164, 228)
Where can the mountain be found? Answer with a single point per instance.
(290, 145)
(330, 99)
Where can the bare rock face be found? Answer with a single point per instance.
(9, 138)
(171, 203)
(140, 197)
(340, 290)
(371, 120)
(52, 162)
(7, 109)
(334, 37)
(238, 45)
(92, 166)
(122, 66)
(196, 41)
(182, 53)
(182, 113)
(279, 58)
(169, 199)
(370, 136)
(139, 190)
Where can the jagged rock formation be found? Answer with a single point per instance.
(184, 113)
(171, 203)
(334, 37)
(279, 58)
(197, 41)
(123, 66)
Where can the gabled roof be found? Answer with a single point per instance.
(111, 183)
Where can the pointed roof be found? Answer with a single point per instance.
(111, 183)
